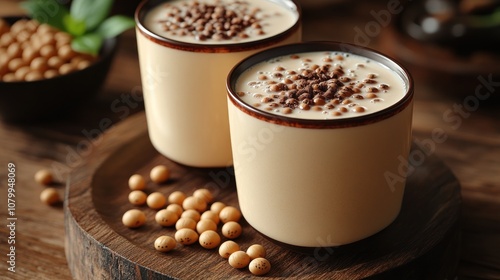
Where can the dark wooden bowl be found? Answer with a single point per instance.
(50, 98)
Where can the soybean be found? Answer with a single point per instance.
(196, 203)
(205, 225)
(216, 207)
(134, 218)
(259, 266)
(166, 218)
(204, 194)
(191, 213)
(231, 230)
(44, 177)
(136, 182)
(227, 248)
(185, 223)
(159, 174)
(137, 197)
(211, 215)
(156, 200)
(256, 251)
(209, 239)
(186, 236)
(165, 243)
(50, 196)
(177, 197)
(239, 259)
(176, 208)
(229, 213)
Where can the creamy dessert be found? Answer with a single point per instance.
(329, 172)
(220, 21)
(321, 85)
(186, 49)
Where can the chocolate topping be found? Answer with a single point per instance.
(320, 87)
(218, 21)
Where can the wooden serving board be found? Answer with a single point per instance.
(422, 243)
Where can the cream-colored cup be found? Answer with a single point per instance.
(183, 78)
(322, 175)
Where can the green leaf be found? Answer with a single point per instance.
(114, 26)
(89, 43)
(74, 26)
(47, 11)
(93, 12)
(485, 21)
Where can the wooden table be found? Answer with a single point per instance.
(471, 150)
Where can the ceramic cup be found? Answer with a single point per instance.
(321, 133)
(184, 64)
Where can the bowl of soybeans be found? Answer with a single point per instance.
(41, 76)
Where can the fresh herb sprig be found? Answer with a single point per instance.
(86, 20)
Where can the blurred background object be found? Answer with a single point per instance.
(466, 25)
(447, 43)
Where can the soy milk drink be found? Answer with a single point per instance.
(186, 48)
(318, 131)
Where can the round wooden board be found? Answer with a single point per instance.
(422, 243)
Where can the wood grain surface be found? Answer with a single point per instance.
(97, 197)
(471, 151)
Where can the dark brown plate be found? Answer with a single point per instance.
(421, 244)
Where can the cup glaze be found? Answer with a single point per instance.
(184, 89)
(329, 193)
